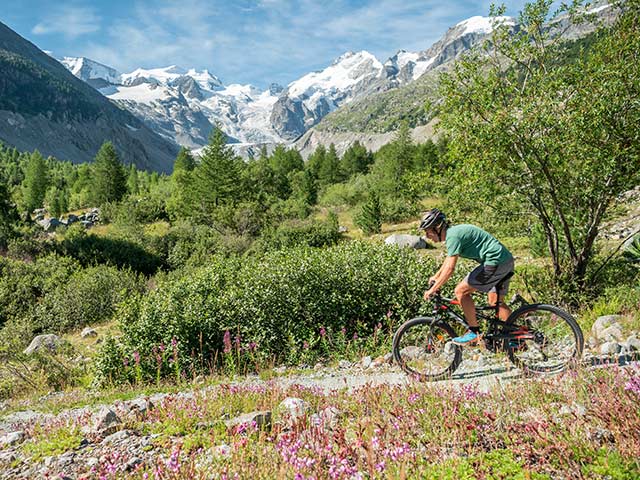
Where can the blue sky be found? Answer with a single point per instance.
(243, 41)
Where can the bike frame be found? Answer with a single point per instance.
(442, 308)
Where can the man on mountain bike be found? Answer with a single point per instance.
(469, 241)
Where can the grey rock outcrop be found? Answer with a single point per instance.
(49, 342)
(404, 240)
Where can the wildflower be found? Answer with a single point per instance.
(323, 332)
(633, 385)
(136, 357)
(226, 340)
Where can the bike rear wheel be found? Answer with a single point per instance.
(547, 339)
(422, 348)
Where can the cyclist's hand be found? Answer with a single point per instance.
(432, 280)
(429, 293)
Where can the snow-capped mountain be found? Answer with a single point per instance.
(92, 72)
(184, 104)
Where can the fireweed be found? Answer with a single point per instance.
(583, 425)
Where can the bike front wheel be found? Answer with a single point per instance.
(422, 347)
(546, 339)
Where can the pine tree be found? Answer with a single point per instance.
(36, 180)
(369, 219)
(356, 159)
(181, 201)
(329, 171)
(110, 180)
(133, 185)
(218, 177)
(8, 213)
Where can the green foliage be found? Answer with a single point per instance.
(24, 285)
(134, 211)
(294, 233)
(181, 202)
(539, 136)
(217, 180)
(90, 249)
(269, 304)
(632, 252)
(54, 443)
(8, 215)
(88, 297)
(610, 464)
(369, 218)
(109, 177)
(35, 183)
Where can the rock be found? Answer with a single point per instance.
(88, 332)
(105, 421)
(49, 342)
(574, 409)
(388, 358)
(366, 362)
(66, 459)
(612, 333)
(117, 437)
(92, 462)
(610, 348)
(402, 240)
(328, 418)
(378, 362)
(262, 419)
(12, 438)
(602, 323)
(292, 409)
(50, 224)
(281, 369)
(344, 364)
(132, 464)
(318, 366)
(633, 343)
(138, 406)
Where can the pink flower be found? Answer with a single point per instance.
(226, 340)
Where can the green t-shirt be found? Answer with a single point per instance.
(474, 243)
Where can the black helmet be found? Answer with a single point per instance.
(433, 218)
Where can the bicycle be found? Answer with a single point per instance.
(538, 338)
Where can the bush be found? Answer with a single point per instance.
(89, 296)
(24, 284)
(134, 210)
(270, 307)
(399, 210)
(296, 233)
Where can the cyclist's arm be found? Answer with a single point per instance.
(444, 274)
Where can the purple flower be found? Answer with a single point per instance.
(323, 332)
(633, 385)
(136, 357)
(226, 340)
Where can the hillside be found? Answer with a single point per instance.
(43, 106)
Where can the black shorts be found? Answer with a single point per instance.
(485, 278)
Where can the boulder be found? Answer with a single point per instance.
(292, 409)
(404, 240)
(610, 348)
(602, 323)
(88, 332)
(50, 224)
(262, 419)
(12, 438)
(49, 342)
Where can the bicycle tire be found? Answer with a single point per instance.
(410, 353)
(562, 342)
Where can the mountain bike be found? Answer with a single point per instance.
(537, 338)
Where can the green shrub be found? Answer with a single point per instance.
(399, 210)
(89, 296)
(294, 233)
(271, 307)
(24, 284)
(134, 211)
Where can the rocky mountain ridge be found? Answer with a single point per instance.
(43, 106)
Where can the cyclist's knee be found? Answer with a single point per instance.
(462, 290)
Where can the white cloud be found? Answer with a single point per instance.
(71, 21)
(271, 40)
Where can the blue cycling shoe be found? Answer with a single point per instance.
(466, 339)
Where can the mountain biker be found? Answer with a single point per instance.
(472, 242)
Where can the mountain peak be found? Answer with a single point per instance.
(483, 25)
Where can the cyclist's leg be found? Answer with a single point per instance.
(463, 293)
(503, 311)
